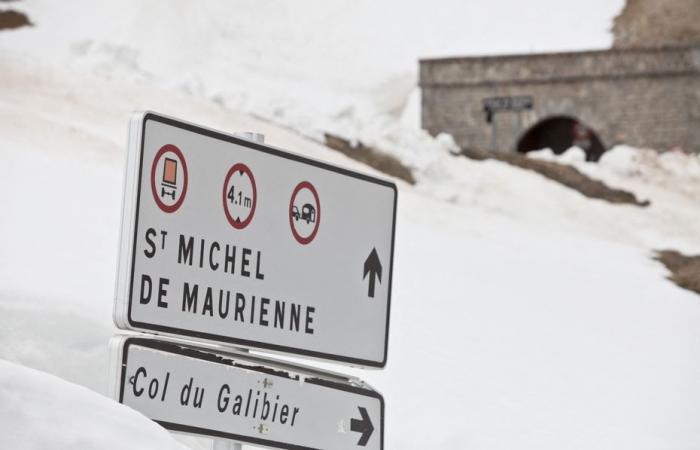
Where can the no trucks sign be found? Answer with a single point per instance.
(233, 241)
(245, 398)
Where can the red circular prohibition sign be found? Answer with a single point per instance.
(164, 149)
(237, 224)
(304, 240)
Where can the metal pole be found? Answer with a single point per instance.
(225, 444)
(251, 136)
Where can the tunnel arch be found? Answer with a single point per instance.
(561, 133)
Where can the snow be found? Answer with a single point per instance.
(524, 315)
(670, 180)
(315, 66)
(641, 169)
(571, 156)
(39, 411)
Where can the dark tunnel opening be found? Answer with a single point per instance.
(560, 134)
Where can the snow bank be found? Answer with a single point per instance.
(415, 148)
(670, 180)
(40, 411)
(672, 169)
(571, 156)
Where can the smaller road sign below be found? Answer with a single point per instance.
(245, 398)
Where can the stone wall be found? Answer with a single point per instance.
(641, 97)
(655, 23)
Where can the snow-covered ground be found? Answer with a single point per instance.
(524, 315)
(39, 411)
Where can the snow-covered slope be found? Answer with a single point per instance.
(347, 67)
(40, 411)
(304, 51)
(524, 315)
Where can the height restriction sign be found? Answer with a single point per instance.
(228, 240)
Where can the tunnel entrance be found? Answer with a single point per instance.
(560, 134)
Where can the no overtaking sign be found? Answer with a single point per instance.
(233, 241)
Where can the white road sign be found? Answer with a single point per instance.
(244, 398)
(233, 241)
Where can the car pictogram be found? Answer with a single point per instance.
(308, 213)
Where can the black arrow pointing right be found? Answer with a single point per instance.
(363, 426)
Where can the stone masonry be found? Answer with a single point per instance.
(657, 23)
(648, 97)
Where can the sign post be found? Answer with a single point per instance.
(245, 398)
(227, 241)
(225, 444)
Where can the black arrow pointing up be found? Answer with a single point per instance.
(363, 426)
(373, 267)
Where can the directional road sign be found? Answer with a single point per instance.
(228, 240)
(245, 398)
